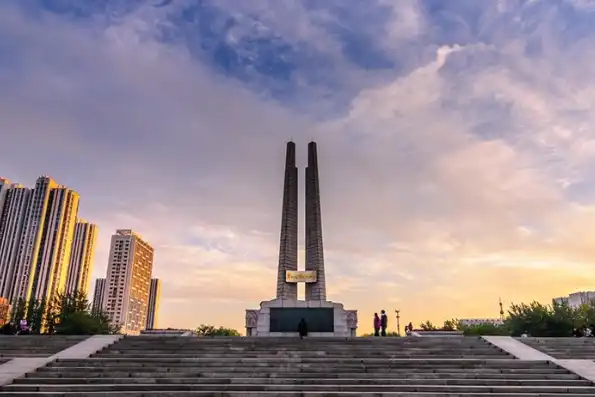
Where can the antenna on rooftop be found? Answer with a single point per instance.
(501, 309)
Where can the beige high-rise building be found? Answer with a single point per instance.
(29, 246)
(153, 307)
(50, 271)
(4, 186)
(12, 220)
(81, 257)
(128, 281)
(98, 294)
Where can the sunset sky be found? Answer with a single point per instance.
(456, 142)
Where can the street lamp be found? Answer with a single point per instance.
(397, 311)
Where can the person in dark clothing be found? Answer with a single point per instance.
(383, 322)
(376, 325)
(303, 328)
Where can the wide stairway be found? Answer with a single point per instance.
(563, 348)
(189, 366)
(12, 346)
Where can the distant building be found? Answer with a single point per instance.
(128, 281)
(98, 294)
(4, 186)
(81, 257)
(577, 298)
(29, 244)
(153, 307)
(481, 321)
(50, 270)
(12, 220)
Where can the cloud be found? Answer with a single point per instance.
(454, 174)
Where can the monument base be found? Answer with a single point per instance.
(280, 317)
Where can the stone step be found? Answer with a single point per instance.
(277, 357)
(29, 355)
(281, 394)
(438, 353)
(488, 350)
(289, 370)
(247, 353)
(169, 338)
(303, 381)
(453, 389)
(300, 346)
(408, 362)
(307, 342)
(271, 367)
(298, 375)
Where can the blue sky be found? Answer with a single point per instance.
(455, 141)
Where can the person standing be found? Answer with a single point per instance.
(303, 328)
(376, 325)
(383, 322)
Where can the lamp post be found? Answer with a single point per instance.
(397, 311)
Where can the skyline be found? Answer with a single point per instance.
(455, 143)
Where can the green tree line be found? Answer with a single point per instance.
(209, 330)
(535, 319)
(67, 314)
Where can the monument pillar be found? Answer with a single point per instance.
(288, 248)
(314, 247)
(280, 316)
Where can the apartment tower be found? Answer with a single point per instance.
(50, 271)
(153, 307)
(12, 220)
(4, 186)
(128, 281)
(98, 294)
(29, 245)
(81, 256)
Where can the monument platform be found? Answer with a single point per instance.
(280, 317)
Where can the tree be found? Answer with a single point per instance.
(537, 319)
(427, 326)
(66, 314)
(71, 314)
(484, 329)
(209, 330)
(450, 325)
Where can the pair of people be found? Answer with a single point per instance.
(380, 323)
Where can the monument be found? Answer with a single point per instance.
(280, 316)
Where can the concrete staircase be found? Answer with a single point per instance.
(563, 348)
(184, 366)
(12, 346)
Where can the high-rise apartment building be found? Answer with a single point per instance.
(16, 203)
(153, 306)
(4, 186)
(81, 257)
(33, 227)
(50, 270)
(98, 294)
(128, 281)
(37, 228)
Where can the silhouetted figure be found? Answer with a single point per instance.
(8, 329)
(383, 322)
(576, 333)
(303, 328)
(376, 325)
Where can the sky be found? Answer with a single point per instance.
(455, 140)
